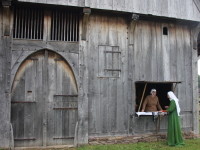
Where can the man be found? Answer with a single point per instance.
(151, 103)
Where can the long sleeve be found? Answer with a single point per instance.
(172, 106)
(158, 106)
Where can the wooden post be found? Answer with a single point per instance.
(5, 76)
(142, 96)
(134, 20)
(174, 87)
(158, 124)
(86, 15)
(45, 98)
(195, 111)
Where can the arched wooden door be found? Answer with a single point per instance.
(44, 101)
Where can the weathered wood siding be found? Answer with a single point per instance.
(5, 74)
(152, 57)
(183, 9)
(44, 101)
(106, 66)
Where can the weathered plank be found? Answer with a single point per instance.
(153, 48)
(39, 45)
(5, 74)
(146, 51)
(83, 93)
(159, 51)
(188, 68)
(52, 78)
(94, 83)
(122, 81)
(172, 52)
(195, 100)
(104, 104)
(180, 66)
(165, 56)
(167, 8)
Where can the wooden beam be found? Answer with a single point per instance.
(195, 33)
(142, 96)
(5, 74)
(174, 87)
(86, 16)
(133, 22)
(6, 23)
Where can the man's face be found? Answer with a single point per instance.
(154, 93)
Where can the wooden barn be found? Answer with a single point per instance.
(71, 70)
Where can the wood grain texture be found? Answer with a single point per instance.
(40, 80)
(181, 9)
(105, 98)
(5, 75)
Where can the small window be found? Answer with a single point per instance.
(28, 23)
(64, 26)
(109, 61)
(165, 31)
(161, 87)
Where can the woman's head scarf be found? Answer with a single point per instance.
(173, 97)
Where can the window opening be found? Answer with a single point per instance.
(28, 23)
(162, 88)
(165, 31)
(64, 25)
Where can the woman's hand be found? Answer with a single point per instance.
(166, 107)
(142, 110)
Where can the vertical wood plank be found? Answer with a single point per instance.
(146, 52)
(104, 32)
(58, 114)
(188, 68)
(45, 95)
(153, 47)
(122, 81)
(194, 90)
(166, 57)
(5, 74)
(101, 60)
(29, 109)
(172, 52)
(91, 97)
(137, 49)
(52, 88)
(159, 51)
(112, 96)
(180, 65)
(94, 86)
(39, 98)
(104, 104)
(83, 93)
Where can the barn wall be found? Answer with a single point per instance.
(183, 9)
(22, 48)
(158, 57)
(107, 98)
(152, 57)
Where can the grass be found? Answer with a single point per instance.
(191, 144)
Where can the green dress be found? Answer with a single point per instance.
(174, 134)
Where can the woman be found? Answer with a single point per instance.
(151, 102)
(174, 133)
